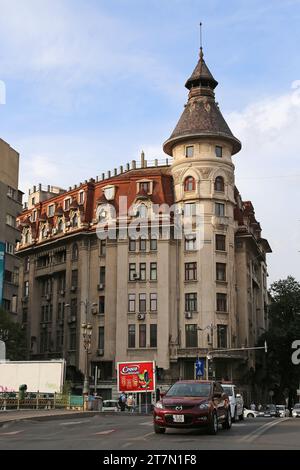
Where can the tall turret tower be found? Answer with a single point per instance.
(202, 146)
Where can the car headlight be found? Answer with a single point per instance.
(159, 405)
(204, 405)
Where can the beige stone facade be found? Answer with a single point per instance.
(164, 299)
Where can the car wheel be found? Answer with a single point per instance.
(227, 423)
(235, 416)
(213, 425)
(250, 415)
(159, 430)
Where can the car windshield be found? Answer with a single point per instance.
(270, 407)
(297, 407)
(280, 407)
(228, 390)
(189, 390)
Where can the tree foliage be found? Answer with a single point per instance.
(279, 373)
(13, 336)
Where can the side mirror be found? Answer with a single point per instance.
(162, 394)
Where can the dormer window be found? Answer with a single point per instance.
(189, 184)
(67, 204)
(81, 197)
(219, 151)
(51, 210)
(189, 151)
(145, 186)
(109, 192)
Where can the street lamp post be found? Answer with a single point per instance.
(86, 329)
(210, 327)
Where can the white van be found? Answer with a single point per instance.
(236, 401)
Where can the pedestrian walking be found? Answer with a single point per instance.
(122, 401)
(130, 403)
(252, 406)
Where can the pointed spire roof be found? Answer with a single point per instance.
(201, 117)
(201, 75)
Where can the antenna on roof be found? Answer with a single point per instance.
(200, 35)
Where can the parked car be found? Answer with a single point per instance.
(236, 401)
(110, 405)
(250, 413)
(193, 404)
(268, 411)
(282, 411)
(296, 411)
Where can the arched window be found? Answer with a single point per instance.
(74, 252)
(219, 184)
(142, 211)
(75, 221)
(189, 184)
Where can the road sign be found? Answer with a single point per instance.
(199, 366)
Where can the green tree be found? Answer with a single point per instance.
(279, 373)
(13, 336)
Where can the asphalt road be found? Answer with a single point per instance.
(129, 432)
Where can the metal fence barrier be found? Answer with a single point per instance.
(40, 401)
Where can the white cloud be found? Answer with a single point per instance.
(268, 173)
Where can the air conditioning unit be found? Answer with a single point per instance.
(62, 292)
(72, 319)
(44, 325)
(100, 352)
(141, 316)
(73, 288)
(101, 286)
(188, 315)
(94, 311)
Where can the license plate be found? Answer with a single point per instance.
(178, 418)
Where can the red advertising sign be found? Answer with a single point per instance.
(136, 376)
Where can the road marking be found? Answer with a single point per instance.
(265, 427)
(108, 431)
(69, 423)
(146, 423)
(11, 433)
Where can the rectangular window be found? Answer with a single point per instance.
(153, 302)
(10, 220)
(131, 336)
(59, 339)
(132, 271)
(221, 271)
(51, 210)
(153, 271)
(132, 244)
(24, 314)
(219, 209)
(131, 302)
(102, 247)
(191, 337)
(189, 209)
(74, 278)
(142, 303)
(26, 288)
(102, 304)
(142, 336)
(190, 243)
(101, 337)
(145, 186)
(26, 264)
(153, 335)
(191, 302)
(221, 302)
(102, 275)
(10, 248)
(74, 307)
(81, 197)
(142, 271)
(62, 283)
(33, 216)
(72, 339)
(190, 270)
(219, 151)
(189, 151)
(153, 244)
(10, 192)
(143, 244)
(222, 336)
(60, 311)
(220, 242)
(67, 204)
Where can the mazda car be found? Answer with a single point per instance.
(193, 404)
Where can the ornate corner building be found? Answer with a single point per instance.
(148, 296)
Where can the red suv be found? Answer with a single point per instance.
(191, 404)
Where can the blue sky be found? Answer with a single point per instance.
(89, 84)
